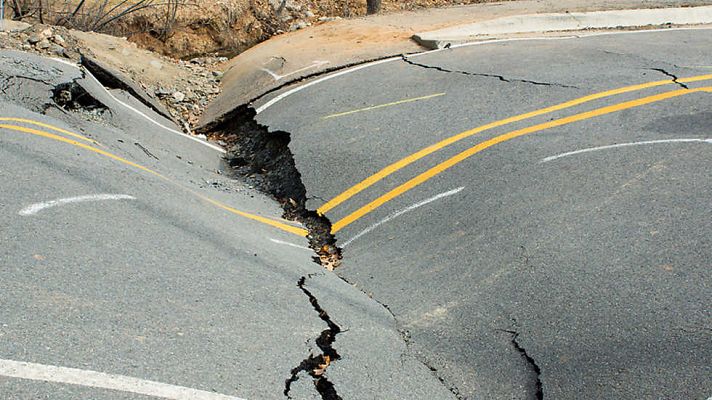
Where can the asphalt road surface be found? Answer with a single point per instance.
(536, 214)
(133, 267)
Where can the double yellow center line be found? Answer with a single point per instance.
(392, 168)
(337, 226)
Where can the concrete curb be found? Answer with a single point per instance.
(539, 23)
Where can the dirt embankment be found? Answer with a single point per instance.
(229, 27)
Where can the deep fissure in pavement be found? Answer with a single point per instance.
(263, 159)
(538, 391)
(500, 77)
(316, 365)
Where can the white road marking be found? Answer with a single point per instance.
(312, 83)
(401, 212)
(613, 146)
(71, 64)
(212, 146)
(482, 43)
(279, 77)
(72, 376)
(290, 244)
(37, 207)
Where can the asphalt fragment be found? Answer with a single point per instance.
(113, 80)
(316, 365)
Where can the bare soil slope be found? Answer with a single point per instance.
(229, 27)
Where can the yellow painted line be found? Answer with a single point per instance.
(285, 221)
(264, 220)
(48, 126)
(267, 221)
(395, 103)
(446, 142)
(449, 163)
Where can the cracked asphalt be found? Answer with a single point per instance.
(564, 254)
(189, 286)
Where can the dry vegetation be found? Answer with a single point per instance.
(189, 28)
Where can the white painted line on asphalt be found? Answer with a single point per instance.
(401, 212)
(37, 207)
(613, 146)
(212, 146)
(312, 83)
(482, 43)
(290, 244)
(71, 64)
(279, 77)
(79, 377)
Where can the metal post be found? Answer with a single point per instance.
(2, 14)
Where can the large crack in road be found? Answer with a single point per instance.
(264, 159)
(316, 365)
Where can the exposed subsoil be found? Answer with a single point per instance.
(263, 159)
(229, 27)
(192, 84)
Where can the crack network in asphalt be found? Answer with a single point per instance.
(500, 77)
(405, 337)
(316, 365)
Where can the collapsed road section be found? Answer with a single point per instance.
(224, 291)
(263, 159)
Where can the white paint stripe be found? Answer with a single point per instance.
(212, 146)
(401, 212)
(312, 83)
(279, 77)
(482, 43)
(72, 376)
(275, 76)
(69, 63)
(37, 207)
(290, 244)
(613, 146)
